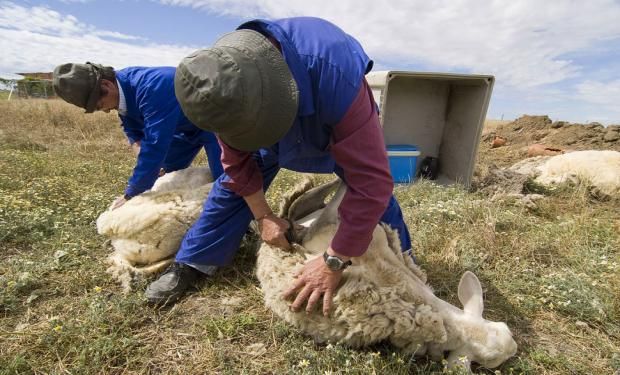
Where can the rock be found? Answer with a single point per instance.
(581, 324)
(59, 255)
(541, 150)
(558, 124)
(611, 136)
(498, 141)
(595, 125)
(535, 150)
(488, 137)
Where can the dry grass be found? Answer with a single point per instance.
(551, 272)
(491, 125)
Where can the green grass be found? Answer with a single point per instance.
(551, 272)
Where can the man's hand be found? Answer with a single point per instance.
(273, 229)
(315, 281)
(118, 202)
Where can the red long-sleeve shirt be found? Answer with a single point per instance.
(358, 148)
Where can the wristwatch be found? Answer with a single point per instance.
(334, 263)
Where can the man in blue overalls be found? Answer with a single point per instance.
(288, 94)
(150, 114)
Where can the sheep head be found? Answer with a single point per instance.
(485, 342)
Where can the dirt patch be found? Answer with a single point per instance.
(521, 137)
(528, 130)
(492, 180)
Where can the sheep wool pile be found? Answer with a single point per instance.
(598, 169)
(146, 231)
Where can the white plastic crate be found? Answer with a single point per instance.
(442, 114)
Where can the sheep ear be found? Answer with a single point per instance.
(470, 294)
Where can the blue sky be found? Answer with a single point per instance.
(559, 57)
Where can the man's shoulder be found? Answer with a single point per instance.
(148, 81)
(141, 72)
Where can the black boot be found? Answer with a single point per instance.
(172, 284)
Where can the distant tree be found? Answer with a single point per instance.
(34, 88)
(6, 84)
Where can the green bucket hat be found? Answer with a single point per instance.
(79, 84)
(241, 89)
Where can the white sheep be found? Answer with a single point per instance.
(382, 296)
(598, 169)
(146, 231)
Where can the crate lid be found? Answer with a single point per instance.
(402, 150)
(403, 153)
(402, 147)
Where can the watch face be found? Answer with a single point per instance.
(333, 263)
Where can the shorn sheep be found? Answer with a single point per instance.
(382, 296)
(146, 231)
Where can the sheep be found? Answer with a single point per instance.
(146, 231)
(382, 296)
(599, 169)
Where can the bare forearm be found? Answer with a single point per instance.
(258, 204)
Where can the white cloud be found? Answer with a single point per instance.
(116, 35)
(525, 43)
(603, 93)
(39, 38)
(522, 42)
(38, 19)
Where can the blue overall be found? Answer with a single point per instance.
(154, 117)
(328, 67)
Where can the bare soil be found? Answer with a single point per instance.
(528, 130)
(492, 177)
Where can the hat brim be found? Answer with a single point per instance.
(91, 103)
(280, 94)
